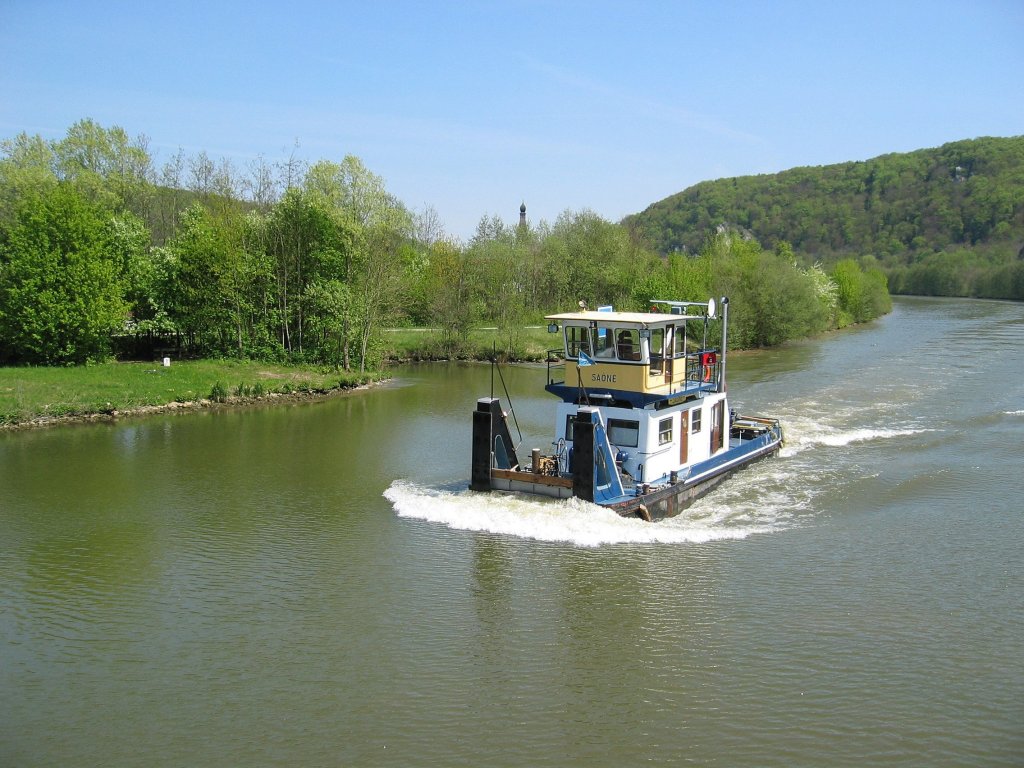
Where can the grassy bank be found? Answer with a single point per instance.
(528, 344)
(34, 394)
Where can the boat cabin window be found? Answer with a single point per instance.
(603, 344)
(576, 338)
(695, 421)
(568, 428)
(657, 350)
(665, 431)
(679, 347)
(628, 343)
(624, 433)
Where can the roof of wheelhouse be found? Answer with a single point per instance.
(641, 319)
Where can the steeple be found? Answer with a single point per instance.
(522, 214)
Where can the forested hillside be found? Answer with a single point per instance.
(102, 252)
(944, 221)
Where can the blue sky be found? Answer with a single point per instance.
(472, 107)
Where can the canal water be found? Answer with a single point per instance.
(313, 585)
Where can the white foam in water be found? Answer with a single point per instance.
(573, 521)
(772, 496)
(802, 434)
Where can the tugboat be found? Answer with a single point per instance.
(644, 425)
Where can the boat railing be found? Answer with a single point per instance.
(702, 369)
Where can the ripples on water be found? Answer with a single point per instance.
(234, 590)
(881, 394)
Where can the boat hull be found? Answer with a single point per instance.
(670, 500)
(659, 501)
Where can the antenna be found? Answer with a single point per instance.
(680, 307)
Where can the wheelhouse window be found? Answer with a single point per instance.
(679, 343)
(657, 350)
(695, 421)
(665, 431)
(604, 345)
(576, 339)
(627, 343)
(624, 433)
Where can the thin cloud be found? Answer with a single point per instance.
(628, 102)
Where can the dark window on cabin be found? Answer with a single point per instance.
(624, 433)
(665, 431)
(657, 350)
(568, 427)
(695, 421)
(628, 343)
(576, 338)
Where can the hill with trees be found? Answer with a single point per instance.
(943, 221)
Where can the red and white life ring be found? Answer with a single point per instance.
(708, 361)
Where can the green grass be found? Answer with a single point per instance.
(28, 394)
(33, 393)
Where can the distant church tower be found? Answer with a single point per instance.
(522, 214)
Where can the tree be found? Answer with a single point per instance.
(194, 292)
(862, 294)
(449, 288)
(498, 255)
(26, 168)
(105, 165)
(60, 285)
(373, 263)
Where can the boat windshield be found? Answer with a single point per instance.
(577, 339)
(602, 342)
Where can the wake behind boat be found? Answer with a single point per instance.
(644, 425)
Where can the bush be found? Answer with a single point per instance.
(60, 290)
(218, 393)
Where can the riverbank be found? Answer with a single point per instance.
(40, 396)
(37, 397)
(528, 345)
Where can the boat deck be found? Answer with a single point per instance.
(750, 437)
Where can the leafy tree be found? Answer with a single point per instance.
(328, 303)
(449, 285)
(129, 251)
(375, 260)
(598, 257)
(194, 292)
(862, 294)
(26, 169)
(105, 165)
(308, 243)
(772, 299)
(827, 293)
(497, 255)
(60, 286)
